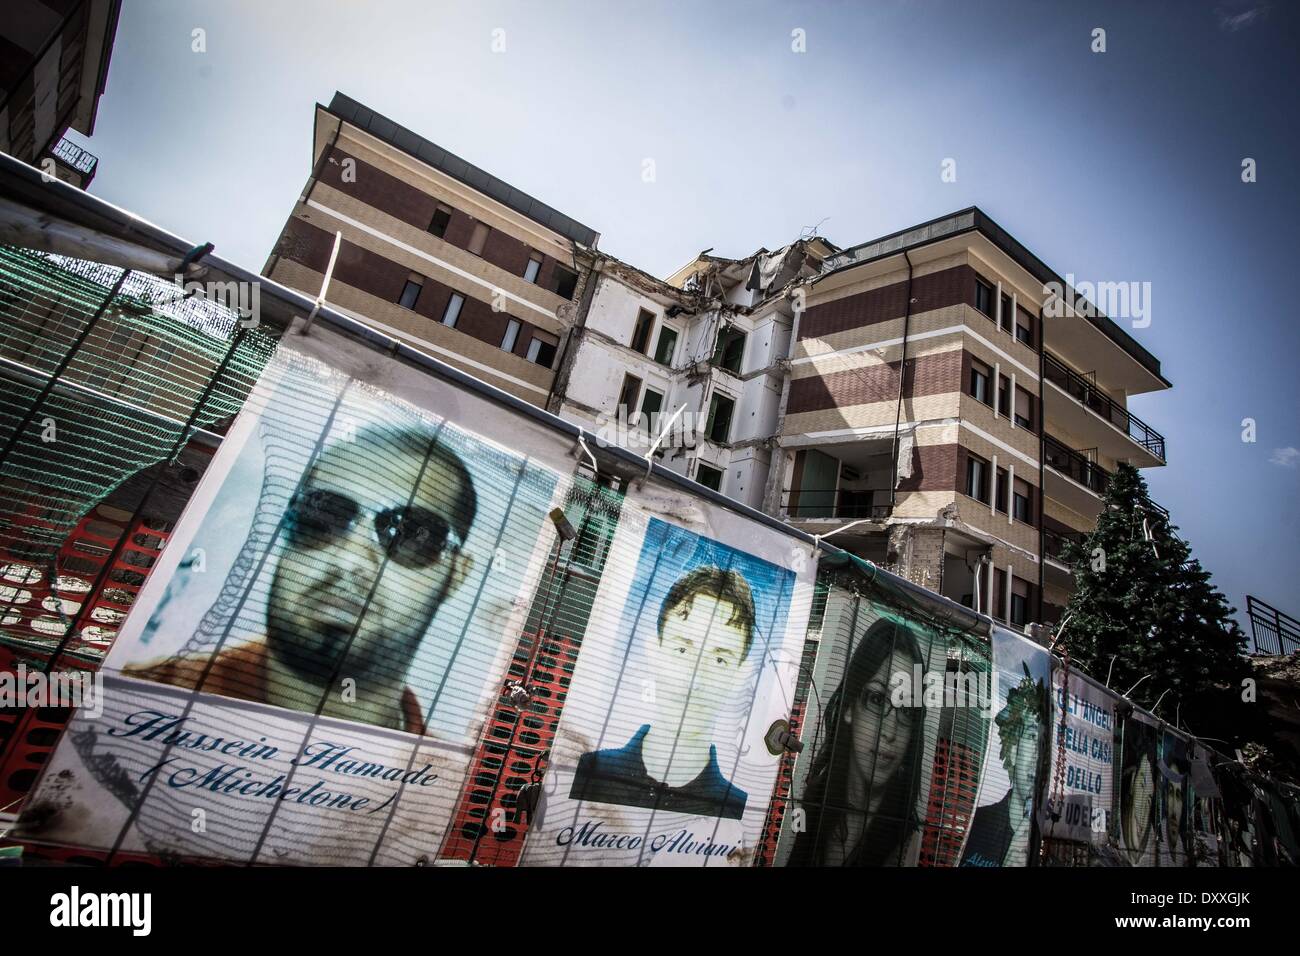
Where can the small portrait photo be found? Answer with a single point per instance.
(1139, 801)
(354, 556)
(701, 618)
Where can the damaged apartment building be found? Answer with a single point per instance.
(908, 394)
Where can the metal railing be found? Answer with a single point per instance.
(835, 504)
(1093, 398)
(1070, 463)
(1055, 542)
(1273, 631)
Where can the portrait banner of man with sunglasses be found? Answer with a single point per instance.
(691, 656)
(309, 669)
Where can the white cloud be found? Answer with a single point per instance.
(1232, 22)
(1287, 457)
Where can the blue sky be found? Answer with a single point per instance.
(1115, 166)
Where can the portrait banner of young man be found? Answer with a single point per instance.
(690, 657)
(306, 673)
(1002, 833)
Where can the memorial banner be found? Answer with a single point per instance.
(1001, 833)
(864, 781)
(689, 658)
(307, 671)
(1079, 791)
(1139, 797)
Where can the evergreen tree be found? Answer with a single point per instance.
(1143, 600)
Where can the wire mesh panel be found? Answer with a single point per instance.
(106, 376)
(105, 373)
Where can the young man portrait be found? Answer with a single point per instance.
(704, 631)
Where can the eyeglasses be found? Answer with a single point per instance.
(413, 537)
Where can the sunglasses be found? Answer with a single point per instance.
(411, 536)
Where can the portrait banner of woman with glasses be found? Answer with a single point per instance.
(858, 797)
(689, 660)
(310, 666)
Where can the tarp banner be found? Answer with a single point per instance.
(690, 656)
(1001, 833)
(307, 672)
(1080, 783)
(894, 735)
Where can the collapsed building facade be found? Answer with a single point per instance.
(909, 394)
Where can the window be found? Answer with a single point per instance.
(1008, 316)
(1024, 409)
(534, 266)
(645, 321)
(1004, 396)
(730, 349)
(651, 403)
(452, 312)
(708, 477)
(541, 350)
(1025, 327)
(667, 346)
(984, 297)
(512, 335)
(719, 424)
(441, 220)
(1000, 491)
(478, 238)
(979, 382)
(411, 291)
(563, 282)
(627, 395)
(1019, 601)
(1020, 502)
(999, 595)
(977, 478)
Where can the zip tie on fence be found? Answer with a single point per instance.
(650, 455)
(582, 443)
(324, 285)
(819, 538)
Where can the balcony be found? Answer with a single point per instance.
(1055, 542)
(1074, 465)
(1120, 429)
(841, 504)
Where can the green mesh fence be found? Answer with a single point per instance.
(104, 374)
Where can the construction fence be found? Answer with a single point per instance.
(351, 607)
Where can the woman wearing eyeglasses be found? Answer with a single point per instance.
(370, 547)
(860, 799)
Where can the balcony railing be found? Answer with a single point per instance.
(1103, 405)
(1274, 632)
(849, 505)
(1074, 465)
(1055, 542)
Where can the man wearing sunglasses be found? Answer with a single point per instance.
(370, 547)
